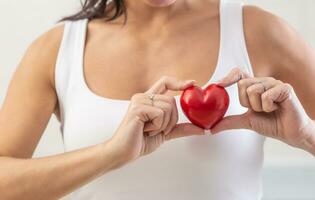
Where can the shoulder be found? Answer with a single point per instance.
(271, 40)
(48, 43)
(41, 55)
(264, 25)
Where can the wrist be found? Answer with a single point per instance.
(311, 145)
(112, 159)
(308, 143)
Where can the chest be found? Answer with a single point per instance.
(118, 64)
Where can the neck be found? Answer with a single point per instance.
(140, 12)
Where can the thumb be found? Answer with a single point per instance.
(232, 122)
(169, 83)
(184, 130)
(235, 75)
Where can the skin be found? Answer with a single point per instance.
(151, 26)
(274, 110)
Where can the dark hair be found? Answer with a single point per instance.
(92, 9)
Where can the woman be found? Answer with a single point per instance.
(114, 84)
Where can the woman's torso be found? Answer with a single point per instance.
(96, 69)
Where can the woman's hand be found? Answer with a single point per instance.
(273, 110)
(145, 126)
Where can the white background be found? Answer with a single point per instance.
(22, 21)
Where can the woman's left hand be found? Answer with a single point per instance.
(273, 109)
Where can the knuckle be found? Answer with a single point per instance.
(165, 78)
(244, 101)
(250, 90)
(257, 107)
(136, 112)
(136, 108)
(278, 82)
(270, 78)
(268, 109)
(265, 97)
(171, 99)
(288, 86)
(160, 113)
(169, 107)
(242, 83)
(266, 103)
(136, 97)
(244, 104)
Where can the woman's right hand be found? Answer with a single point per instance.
(145, 127)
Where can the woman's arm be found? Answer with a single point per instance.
(277, 50)
(29, 104)
(55, 176)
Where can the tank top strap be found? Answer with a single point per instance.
(70, 56)
(69, 59)
(234, 50)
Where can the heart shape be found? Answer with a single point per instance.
(205, 107)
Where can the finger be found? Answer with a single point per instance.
(167, 109)
(244, 84)
(150, 128)
(164, 98)
(150, 116)
(184, 130)
(173, 113)
(234, 76)
(240, 77)
(275, 96)
(254, 93)
(174, 117)
(169, 83)
(157, 98)
(232, 122)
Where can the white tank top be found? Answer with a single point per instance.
(226, 166)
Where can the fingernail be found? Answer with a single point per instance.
(190, 81)
(207, 132)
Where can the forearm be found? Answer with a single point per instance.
(54, 177)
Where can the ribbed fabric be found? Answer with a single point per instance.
(222, 167)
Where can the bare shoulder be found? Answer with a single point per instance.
(263, 25)
(51, 38)
(42, 53)
(271, 41)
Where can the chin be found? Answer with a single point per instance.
(160, 3)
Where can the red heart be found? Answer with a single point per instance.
(205, 107)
